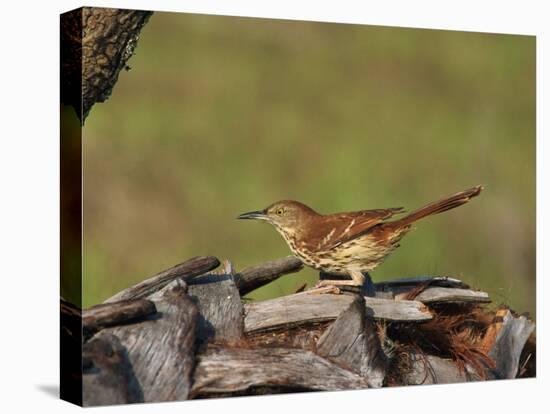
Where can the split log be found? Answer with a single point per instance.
(184, 271)
(257, 276)
(352, 341)
(116, 313)
(161, 349)
(305, 307)
(230, 371)
(220, 308)
(107, 373)
(506, 339)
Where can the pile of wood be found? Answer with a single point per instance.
(187, 333)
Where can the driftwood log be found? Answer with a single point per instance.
(188, 333)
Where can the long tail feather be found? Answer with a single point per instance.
(440, 206)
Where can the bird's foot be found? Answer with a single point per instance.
(328, 282)
(330, 286)
(316, 290)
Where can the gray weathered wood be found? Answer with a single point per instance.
(224, 370)
(305, 307)
(430, 369)
(185, 271)
(453, 295)
(116, 313)
(397, 310)
(352, 341)
(253, 277)
(220, 307)
(107, 373)
(512, 335)
(441, 281)
(161, 347)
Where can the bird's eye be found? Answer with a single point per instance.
(280, 211)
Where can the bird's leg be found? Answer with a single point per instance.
(358, 279)
(322, 290)
(368, 285)
(328, 279)
(332, 284)
(328, 282)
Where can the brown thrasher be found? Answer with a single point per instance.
(347, 243)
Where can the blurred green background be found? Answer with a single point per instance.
(223, 115)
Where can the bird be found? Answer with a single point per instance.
(348, 244)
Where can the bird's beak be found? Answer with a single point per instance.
(258, 215)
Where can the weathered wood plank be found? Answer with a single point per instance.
(430, 369)
(161, 348)
(352, 341)
(397, 310)
(293, 310)
(116, 313)
(107, 373)
(220, 308)
(185, 271)
(253, 277)
(222, 370)
(509, 339)
(305, 307)
(450, 295)
(440, 281)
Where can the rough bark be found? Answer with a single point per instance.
(96, 44)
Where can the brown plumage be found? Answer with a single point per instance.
(348, 243)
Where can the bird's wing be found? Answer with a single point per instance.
(339, 228)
